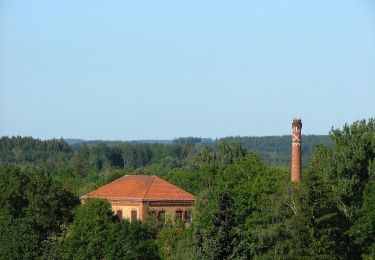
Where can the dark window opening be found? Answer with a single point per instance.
(133, 215)
(187, 217)
(161, 216)
(179, 215)
(119, 214)
(152, 214)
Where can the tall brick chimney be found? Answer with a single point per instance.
(296, 150)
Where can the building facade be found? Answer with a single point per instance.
(137, 197)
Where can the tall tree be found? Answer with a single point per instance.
(96, 233)
(32, 208)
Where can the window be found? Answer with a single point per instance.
(119, 214)
(187, 217)
(133, 215)
(152, 214)
(161, 216)
(178, 215)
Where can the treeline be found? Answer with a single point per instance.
(41, 220)
(27, 149)
(245, 209)
(123, 155)
(274, 150)
(127, 155)
(84, 166)
(252, 211)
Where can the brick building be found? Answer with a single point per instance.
(138, 196)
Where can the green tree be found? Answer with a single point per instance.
(363, 231)
(90, 231)
(79, 164)
(229, 152)
(96, 233)
(348, 168)
(168, 238)
(317, 227)
(32, 209)
(132, 240)
(346, 164)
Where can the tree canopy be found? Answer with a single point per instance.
(246, 206)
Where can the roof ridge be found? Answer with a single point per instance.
(106, 185)
(153, 178)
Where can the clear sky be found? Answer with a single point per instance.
(164, 69)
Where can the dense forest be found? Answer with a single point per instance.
(274, 150)
(246, 206)
(84, 165)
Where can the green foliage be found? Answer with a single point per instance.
(363, 230)
(96, 233)
(276, 150)
(90, 231)
(191, 180)
(187, 140)
(79, 165)
(219, 239)
(317, 228)
(168, 238)
(224, 154)
(132, 240)
(82, 184)
(245, 209)
(232, 213)
(21, 149)
(348, 168)
(330, 215)
(347, 164)
(32, 208)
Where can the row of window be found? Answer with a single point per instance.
(160, 216)
(133, 214)
(180, 215)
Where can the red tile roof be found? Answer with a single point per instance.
(141, 188)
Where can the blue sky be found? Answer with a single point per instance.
(163, 69)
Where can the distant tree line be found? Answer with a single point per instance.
(39, 219)
(245, 209)
(274, 150)
(84, 166)
(21, 149)
(253, 211)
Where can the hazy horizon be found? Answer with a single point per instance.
(169, 139)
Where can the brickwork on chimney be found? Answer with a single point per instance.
(296, 150)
